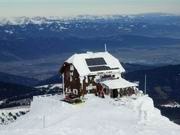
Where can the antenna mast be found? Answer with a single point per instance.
(105, 48)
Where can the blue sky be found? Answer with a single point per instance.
(10, 8)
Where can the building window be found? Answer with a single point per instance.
(71, 68)
(71, 76)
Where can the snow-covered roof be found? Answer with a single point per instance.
(80, 63)
(118, 83)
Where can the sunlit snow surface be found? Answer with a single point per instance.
(126, 116)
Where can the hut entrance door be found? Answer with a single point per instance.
(114, 93)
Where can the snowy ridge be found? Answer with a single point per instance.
(134, 115)
(50, 85)
(51, 19)
(24, 21)
(171, 105)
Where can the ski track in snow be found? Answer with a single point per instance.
(126, 116)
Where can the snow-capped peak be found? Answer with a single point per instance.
(51, 19)
(23, 20)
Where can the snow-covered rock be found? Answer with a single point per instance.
(134, 115)
(50, 86)
(1, 102)
(9, 115)
(171, 105)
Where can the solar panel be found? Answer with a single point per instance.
(95, 61)
(99, 68)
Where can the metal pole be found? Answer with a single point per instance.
(145, 84)
(63, 84)
(44, 121)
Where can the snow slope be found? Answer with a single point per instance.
(126, 116)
